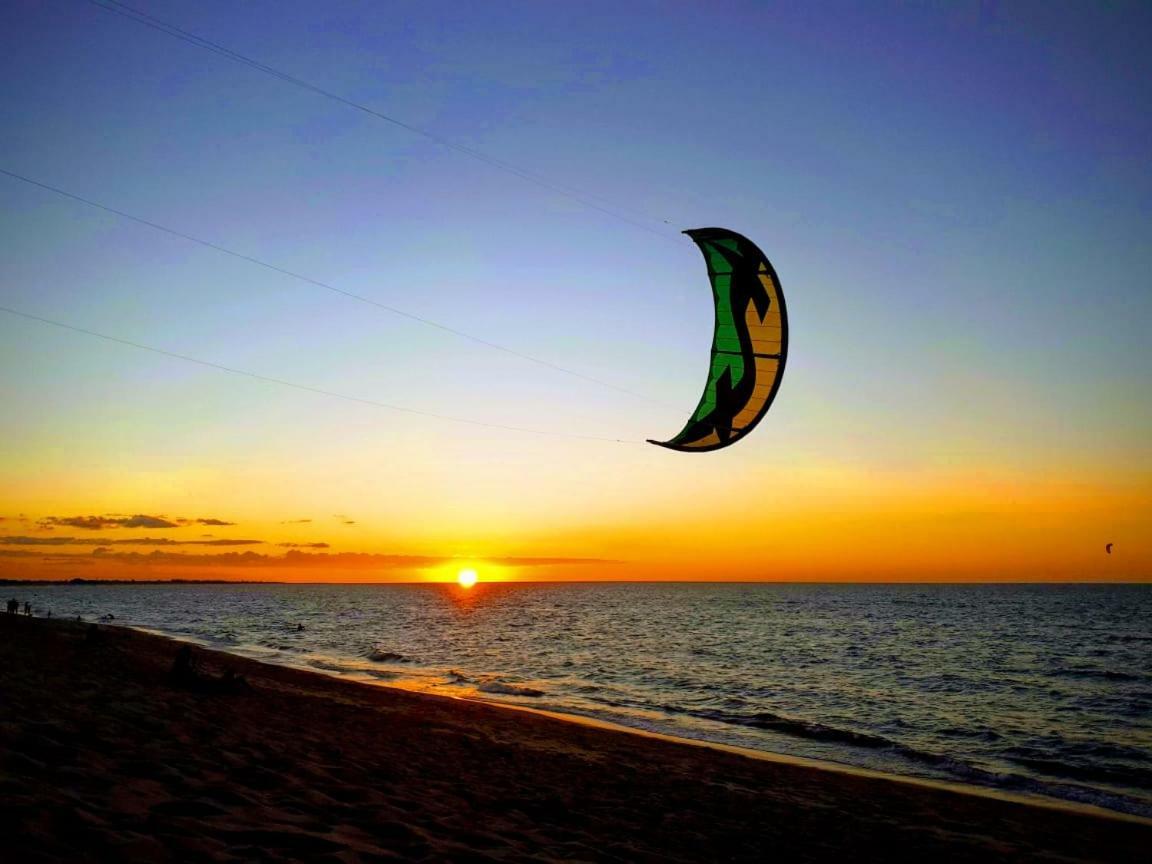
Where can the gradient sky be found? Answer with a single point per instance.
(957, 198)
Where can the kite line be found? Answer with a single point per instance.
(614, 210)
(328, 287)
(268, 379)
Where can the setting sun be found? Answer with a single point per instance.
(467, 578)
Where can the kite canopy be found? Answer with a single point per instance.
(749, 345)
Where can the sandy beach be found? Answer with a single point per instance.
(104, 758)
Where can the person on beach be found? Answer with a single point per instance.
(13, 605)
(27, 607)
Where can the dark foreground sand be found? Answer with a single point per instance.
(102, 759)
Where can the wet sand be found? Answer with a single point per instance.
(104, 758)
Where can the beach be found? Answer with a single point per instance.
(103, 756)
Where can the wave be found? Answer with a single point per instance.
(1112, 774)
(807, 729)
(382, 674)
(977, 734)
(380, 655)
(1107, 674)
(328, 665)
(508, 689)
(352, 669)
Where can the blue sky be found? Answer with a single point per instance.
(956, 196)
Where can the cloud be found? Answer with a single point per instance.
(296, 558)
(344, 519)
(113, 520)
(98, 523)
(18, 540)
(142, 521)
(377, 560)
(305, 545)
(296, 522)
(158, 555)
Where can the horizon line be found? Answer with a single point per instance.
(115, 581)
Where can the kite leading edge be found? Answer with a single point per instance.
(749, 343)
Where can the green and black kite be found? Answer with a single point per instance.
(749, 345)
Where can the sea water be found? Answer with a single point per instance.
(1041, 689)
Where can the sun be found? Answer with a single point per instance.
(467, 578)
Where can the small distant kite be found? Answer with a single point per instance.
(749, 343)
(1108, 548)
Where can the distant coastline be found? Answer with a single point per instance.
(139, 582)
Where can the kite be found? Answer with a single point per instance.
(749, 343)
(1108, 548)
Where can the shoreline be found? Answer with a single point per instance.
(959, 786)
(956, 786)
(101, 757)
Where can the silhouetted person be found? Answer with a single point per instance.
(13, 605)
(27, 608)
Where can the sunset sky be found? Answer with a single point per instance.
(957, 198)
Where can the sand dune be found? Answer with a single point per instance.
(104, 758)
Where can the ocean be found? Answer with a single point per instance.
(1037, 689)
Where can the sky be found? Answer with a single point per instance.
(957, 198)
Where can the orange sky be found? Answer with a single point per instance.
(802, 525)
(957, 208)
